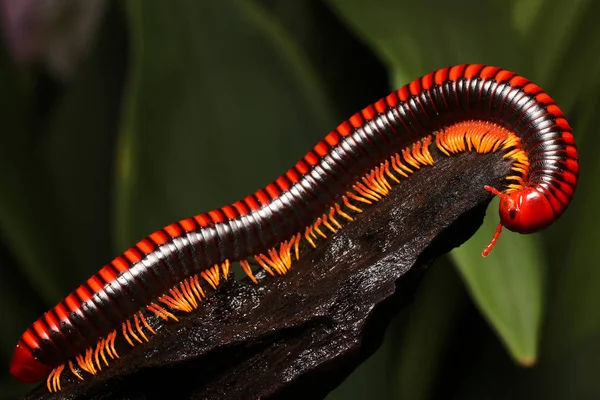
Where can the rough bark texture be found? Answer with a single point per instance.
(300, 335)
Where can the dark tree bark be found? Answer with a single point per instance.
(301, 335)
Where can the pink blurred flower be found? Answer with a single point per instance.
(55, 32)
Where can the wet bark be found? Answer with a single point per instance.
(301, 335)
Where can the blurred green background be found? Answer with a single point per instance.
(119, 117)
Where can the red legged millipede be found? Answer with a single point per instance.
(461, 108)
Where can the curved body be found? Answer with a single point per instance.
(294, 200)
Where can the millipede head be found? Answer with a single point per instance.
(525, 211)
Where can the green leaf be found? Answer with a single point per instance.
(507, 286)
(220, 100)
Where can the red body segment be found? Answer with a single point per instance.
(25, 367)
(296, 199)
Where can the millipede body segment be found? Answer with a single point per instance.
(461, 108)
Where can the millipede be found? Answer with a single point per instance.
(469, 107)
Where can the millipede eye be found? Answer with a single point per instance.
(512, 213)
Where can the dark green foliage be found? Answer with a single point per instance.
(183, 106)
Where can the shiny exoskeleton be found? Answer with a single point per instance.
(294, 200)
